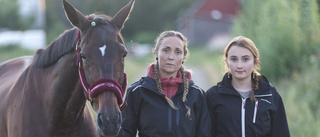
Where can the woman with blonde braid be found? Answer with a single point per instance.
(244, 103)
(166, 103)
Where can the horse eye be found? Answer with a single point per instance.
(83, 56)
(124, 54)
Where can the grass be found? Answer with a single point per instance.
(12, 51)
(301, 100)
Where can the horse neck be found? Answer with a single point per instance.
(63, 92)
(56, 85)
(68, 98)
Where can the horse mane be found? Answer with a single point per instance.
(64, 44)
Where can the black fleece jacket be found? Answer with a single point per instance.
(233, 116)
(149, 113)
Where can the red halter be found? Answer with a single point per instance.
(100, 85)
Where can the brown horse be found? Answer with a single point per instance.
(45, 95)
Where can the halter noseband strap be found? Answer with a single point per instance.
(100, 85)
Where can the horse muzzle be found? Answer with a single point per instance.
(108, 126)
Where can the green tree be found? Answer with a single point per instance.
(148, 17)
(286, 33)
(10, 18)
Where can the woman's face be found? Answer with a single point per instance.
(170, 56)
(241, 63)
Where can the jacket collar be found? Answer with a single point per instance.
(151, 85)
(179, 75)
(225, 86)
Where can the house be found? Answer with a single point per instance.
(209, 21)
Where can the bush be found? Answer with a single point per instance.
(10, 18)
(286, 33)
(301, 99)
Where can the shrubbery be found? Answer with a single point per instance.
(10, 18)
(286, 32)
(301, 100)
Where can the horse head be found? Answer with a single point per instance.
(101, 53)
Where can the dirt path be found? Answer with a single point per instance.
(200, 77)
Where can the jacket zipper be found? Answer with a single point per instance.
(243, 117)
(243, 113)
(255, 112)
(256, 105)
(169, 118)
(171, 114)
(177, 114)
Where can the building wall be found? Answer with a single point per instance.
(200, 30)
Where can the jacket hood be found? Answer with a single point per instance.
(151, 74)
(263, 88)
(150, 83)
(169, 86)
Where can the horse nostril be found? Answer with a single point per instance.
(105, 119)
(102, 118)
(116, 118)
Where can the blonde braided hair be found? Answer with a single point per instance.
(185, 92)
(158, 82)
(247, 43)
(255, 84)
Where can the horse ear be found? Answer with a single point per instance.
(75, 17)
(122, 15)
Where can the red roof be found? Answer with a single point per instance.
(224, 6)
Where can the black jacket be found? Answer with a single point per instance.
(150, 114)
(233, 116)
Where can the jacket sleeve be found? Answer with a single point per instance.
(202, 115)
(129, 117)
(279, 119)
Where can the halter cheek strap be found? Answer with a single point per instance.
(101, 85)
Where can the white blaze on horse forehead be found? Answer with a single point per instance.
(103, 50)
